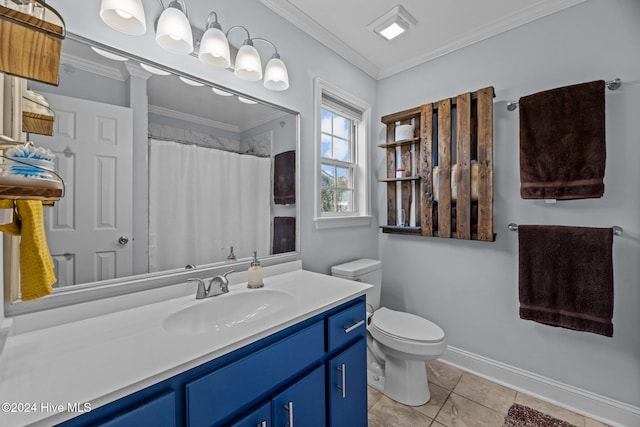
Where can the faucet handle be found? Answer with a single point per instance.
(224, 282)
(202, 290)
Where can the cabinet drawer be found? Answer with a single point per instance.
(346, 325)
(215, 396)
(159, 412)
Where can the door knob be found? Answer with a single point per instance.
(123, 240)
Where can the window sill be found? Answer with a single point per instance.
(342, 221)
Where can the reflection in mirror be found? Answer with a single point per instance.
(161, 171)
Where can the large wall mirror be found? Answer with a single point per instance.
(163, 171)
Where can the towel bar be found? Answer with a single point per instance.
(617, 230)
(611, 85)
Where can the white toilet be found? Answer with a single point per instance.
(398, 344)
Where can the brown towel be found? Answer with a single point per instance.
(284, 234)
(566, 277)
(562, 143)
(284, 178)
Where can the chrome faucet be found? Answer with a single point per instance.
(218, 285)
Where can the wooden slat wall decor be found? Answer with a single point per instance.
(445, 216)
(485, 162)
(463, 171)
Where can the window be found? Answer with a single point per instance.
(342, 180)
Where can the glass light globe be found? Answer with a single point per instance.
(248, 65)
(276, 76)
(174, 32)
(126, 16)
(214, 48)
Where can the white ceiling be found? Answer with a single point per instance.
(443, 27)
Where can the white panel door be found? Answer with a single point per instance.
(87, 229)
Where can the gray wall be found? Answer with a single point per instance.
(470, 288)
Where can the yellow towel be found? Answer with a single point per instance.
(36, 265)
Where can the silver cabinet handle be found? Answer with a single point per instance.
(355, 325)
(343, 387)
(289, 407)
(262, 424)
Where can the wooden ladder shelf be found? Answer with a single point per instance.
(453, 149)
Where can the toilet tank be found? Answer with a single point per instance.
(366, 271)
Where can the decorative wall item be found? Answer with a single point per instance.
(447, 187)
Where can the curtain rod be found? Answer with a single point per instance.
(183, 142)
(617, 230)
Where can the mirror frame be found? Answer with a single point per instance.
(93, 291)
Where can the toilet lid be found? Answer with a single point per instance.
(406, 326)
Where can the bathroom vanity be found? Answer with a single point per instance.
(302, 362)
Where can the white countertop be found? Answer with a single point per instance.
(100, 359)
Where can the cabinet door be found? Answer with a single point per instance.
(160, 412)
(302, 404)
(261, 417)
(348, 387)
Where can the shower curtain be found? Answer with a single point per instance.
(203, 200)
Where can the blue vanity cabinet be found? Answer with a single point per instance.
(303, 403)
(347, 382)
(214, 397)
(292, 373)
(347, 367)
(260, 417)
(158, 412)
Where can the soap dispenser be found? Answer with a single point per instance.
(255, 273)
(231, 257)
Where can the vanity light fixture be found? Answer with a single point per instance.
(190, 82)
(214, 46)
(248, 65)
(126, 16)
(175, 34)
(393, 23)
(174, 30)
(108, 55)
(276, 76)
(221, 92)
(154, 70)
(246, 100)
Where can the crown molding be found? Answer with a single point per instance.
(301, 20)
(192, 119)
(496, 27)
(114, 73)
(263, 120)
(134, 69)
(298, 18)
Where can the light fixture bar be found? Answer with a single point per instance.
(175, 34)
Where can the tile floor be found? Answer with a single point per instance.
(461, 399)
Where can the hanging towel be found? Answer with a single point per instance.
(36, 265)
(562, 142)
(566, 277)
(284, 234)
(284, 178)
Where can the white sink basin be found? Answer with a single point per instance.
(228, 311)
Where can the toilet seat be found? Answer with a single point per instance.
(406, 327)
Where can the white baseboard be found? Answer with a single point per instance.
(594, 406)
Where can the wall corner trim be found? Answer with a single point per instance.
(591, 405)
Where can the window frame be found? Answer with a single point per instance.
(360, 113)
